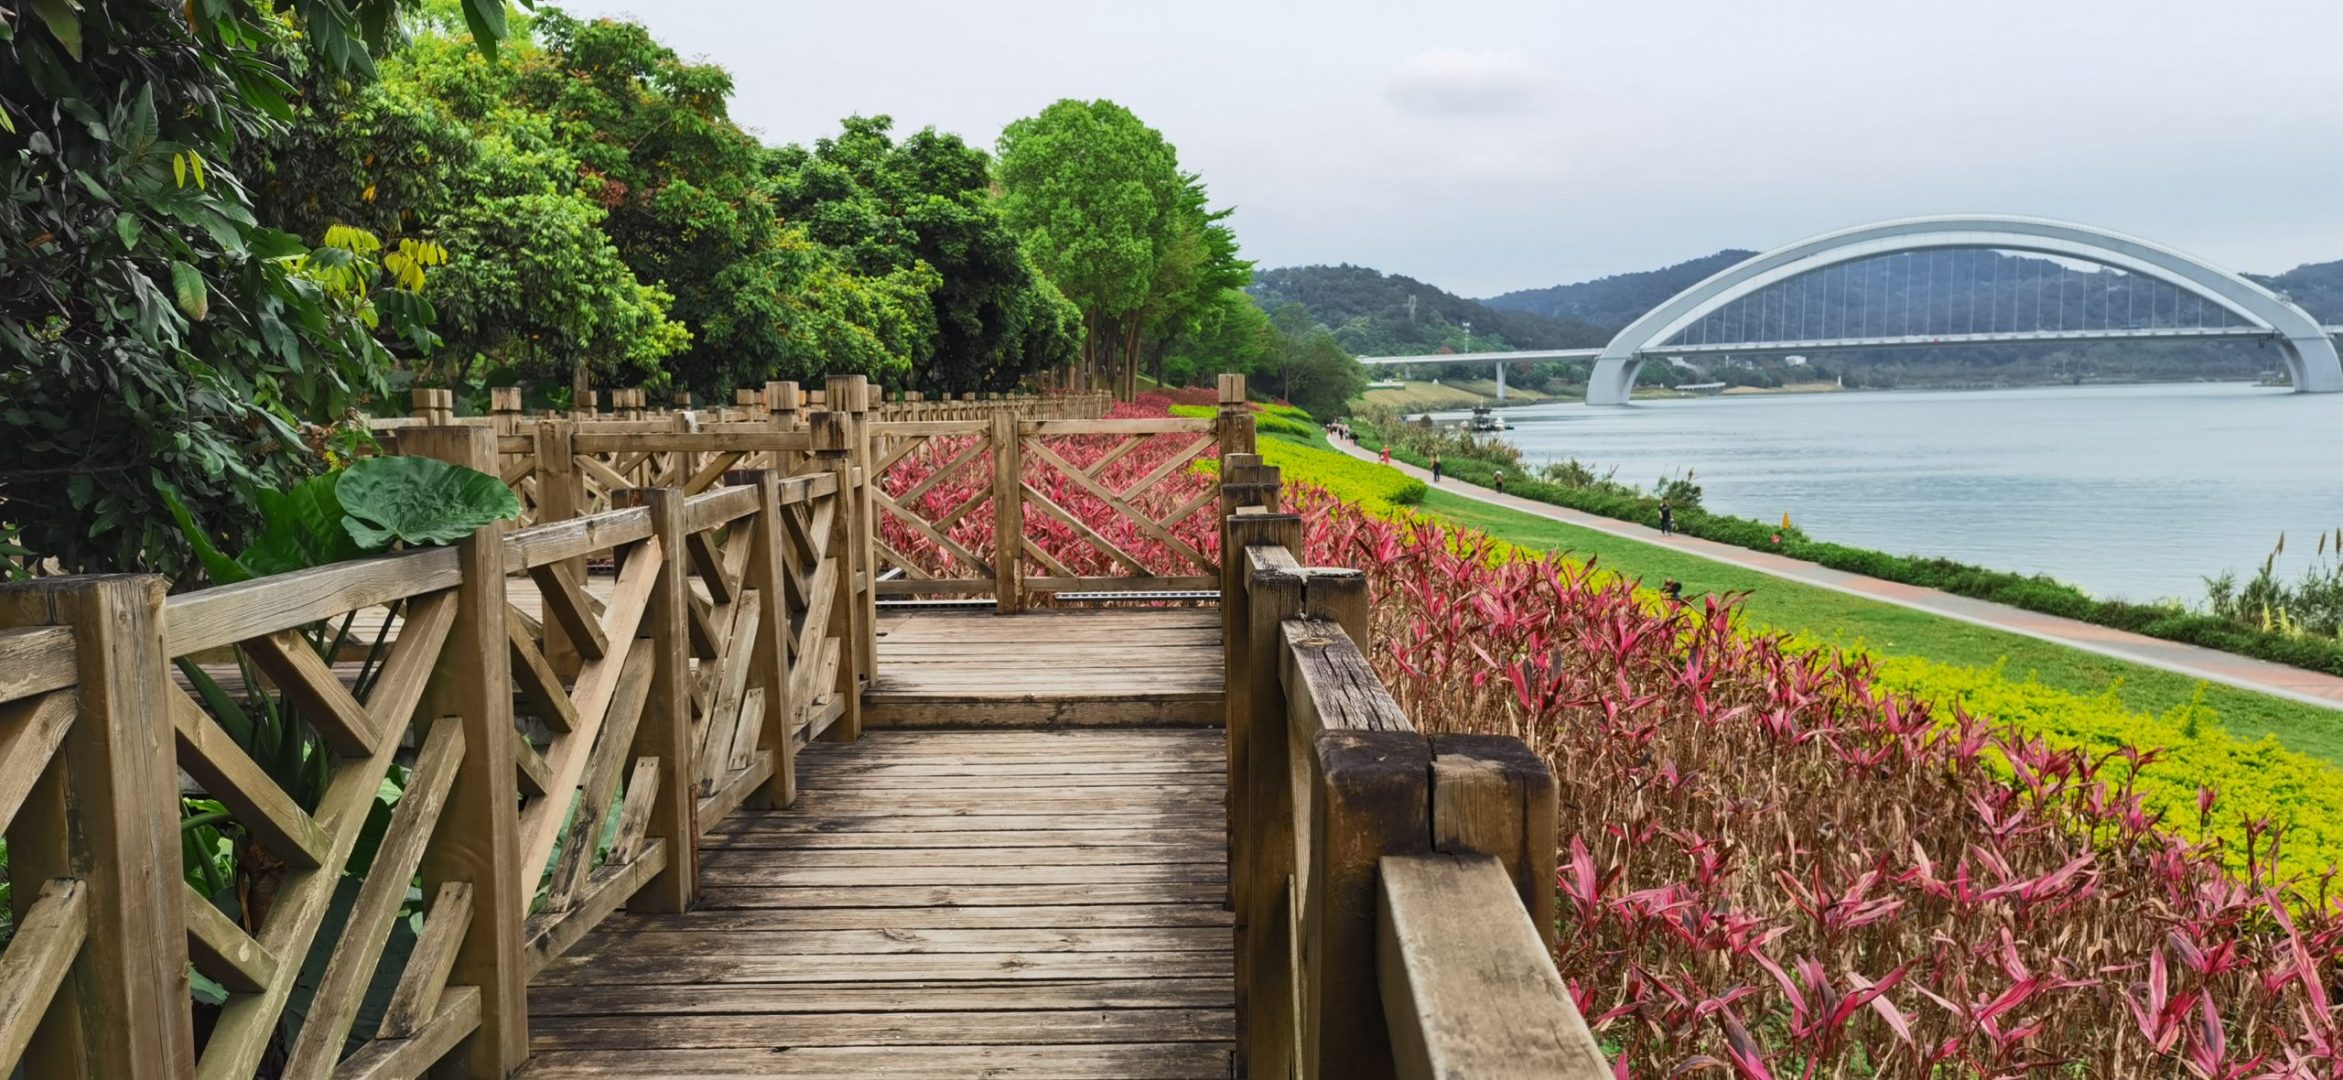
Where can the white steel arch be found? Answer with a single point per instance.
(2309, 354)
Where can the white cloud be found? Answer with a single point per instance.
(1452, 81)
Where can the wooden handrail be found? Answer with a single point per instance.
(1393, 890)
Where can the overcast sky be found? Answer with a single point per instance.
(1488, 146)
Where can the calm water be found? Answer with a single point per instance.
(2135, 491)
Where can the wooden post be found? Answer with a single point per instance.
(1265, 844)
(1371, 799)
(106, 812)
(1008, 514)
(853, 391)
(1492, 795)
(561, 495)
(770, 665)
(1234, 426)
(473, 682)
(665, 730)
(828, 432)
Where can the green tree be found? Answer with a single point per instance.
(533, 289)
(1098, 197)
(155, 331)
(889, 207)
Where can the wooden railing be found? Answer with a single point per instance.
(1394, 891)
(684, 645)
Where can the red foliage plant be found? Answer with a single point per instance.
(1771, 867)
(945, 482)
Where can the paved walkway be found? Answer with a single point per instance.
(2194, 661)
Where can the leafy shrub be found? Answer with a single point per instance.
(1882, 868)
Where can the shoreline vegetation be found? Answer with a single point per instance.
(2266, 619)
(1944, 791)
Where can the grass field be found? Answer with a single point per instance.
(1414, 397)
(1889, 630)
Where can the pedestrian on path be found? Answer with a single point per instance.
(1667, 520)
(1386, 455)
(1435, 468)
(1500, 481)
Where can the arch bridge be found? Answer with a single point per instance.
(1951, 280)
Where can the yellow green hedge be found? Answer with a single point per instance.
(2256, 780)
(1373, 487)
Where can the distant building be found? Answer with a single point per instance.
(1794, 361)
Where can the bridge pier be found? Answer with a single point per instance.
(1500, 382)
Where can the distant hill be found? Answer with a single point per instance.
(2318, 287)
(1613, 302)
(1378, 314)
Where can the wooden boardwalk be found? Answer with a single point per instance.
(1051, 668)
(1004, 901)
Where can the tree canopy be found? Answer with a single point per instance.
(1100, 198)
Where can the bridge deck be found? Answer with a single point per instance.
(943, 903)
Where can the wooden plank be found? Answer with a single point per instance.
(907, 920)
(815, 999)
(310, 684)
(747, 441)
(968, 843)
(742, 858)
(592, 694)
(108, 819)
(35, 660)
(222, 950)
(565, 602)
(473, 683)
(400, 1059)
(416, 999)
(48, 938)
(224, 615)
(1493, 795)
(571, 538)
(1468, 987)
(548, 934)
(598, 786)
(921, 896)
(534, 676)
(1143, 426)
(1330, 685)
(1371, 798)
(31, 729)
(1199, 711)
(794, 873)
(600, 969)
(529, 767)
(339, 992)
(633, 939)
(1141, 583)
(961, 1028)
(1122, 1061)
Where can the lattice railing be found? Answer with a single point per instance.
(427, 774)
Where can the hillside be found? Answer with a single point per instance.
(1614, 301)
(1378, 314)
(2318, 287)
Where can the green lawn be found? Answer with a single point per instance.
(1888, 629)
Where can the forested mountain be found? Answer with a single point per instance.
(1614, 301)
(1378, 314)
(2318, 287)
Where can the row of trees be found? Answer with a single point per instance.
(227, 227)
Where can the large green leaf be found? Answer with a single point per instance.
(223, 570)
(300, 528)
(419, 501)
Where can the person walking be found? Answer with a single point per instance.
(1500, 481)
(1667, 520)
(1435, 468)
(1386, 455)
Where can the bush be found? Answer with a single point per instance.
(1371, 486)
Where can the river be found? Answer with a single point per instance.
(2131, 491)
